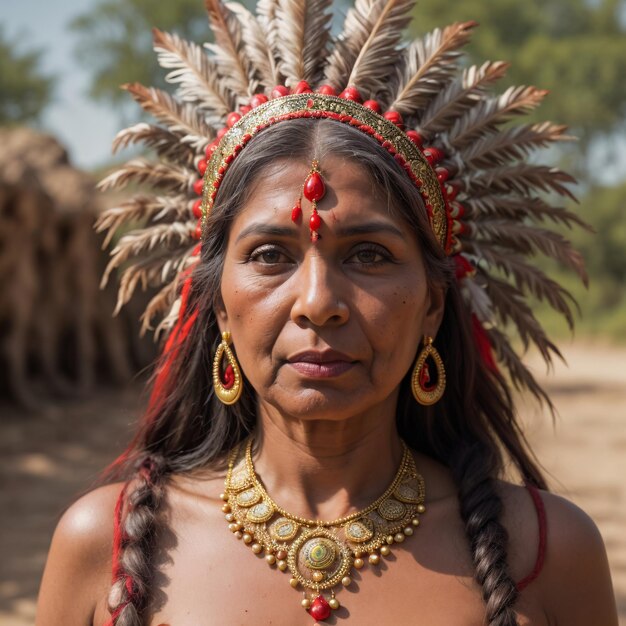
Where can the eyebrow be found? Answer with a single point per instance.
(368, 229)
(341, 231)
(266, 229)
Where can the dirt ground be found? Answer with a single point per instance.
(46, 459)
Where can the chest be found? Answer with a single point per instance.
(211, 578)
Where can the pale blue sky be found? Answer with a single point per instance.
(86, 128)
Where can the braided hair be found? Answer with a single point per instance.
(186, 427)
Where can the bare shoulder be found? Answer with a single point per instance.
(78, 568)
(574, 583)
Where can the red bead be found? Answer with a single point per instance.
(395, 118)
(197, 209)
(197, 233)
(221, 132)
(452, 191)
(315, 221)
(197, 186)
(279, 91)
(245, 109)
(197, 250)
(314, 188)
(433, 155)
(351, 93)
(232, 119)
(211, 148)
(202, 163)
(258, 100)
(442, 174)
(303, 87)
(296, 212)
(373, 105)
(463, 267)
(228, 379)
(327, 90)
(320, 609)
(415, 137)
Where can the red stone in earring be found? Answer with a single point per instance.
(314, 190)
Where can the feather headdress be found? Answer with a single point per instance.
(495, 195)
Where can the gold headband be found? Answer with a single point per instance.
(312, 105)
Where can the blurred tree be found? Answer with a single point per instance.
(115, 41)
(24, 90)
(576, 47)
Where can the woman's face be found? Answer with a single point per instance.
(324, 330)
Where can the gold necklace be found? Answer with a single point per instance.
(320, 555)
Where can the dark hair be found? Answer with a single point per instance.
(186, 427)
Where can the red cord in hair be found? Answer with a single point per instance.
(483, 344)
(118, 539)
(179, 333)
(541, 551)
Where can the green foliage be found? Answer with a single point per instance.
(576, 48)
(24, 91)
(603, 305)
(115, 41)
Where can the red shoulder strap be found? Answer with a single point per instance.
(541, 551)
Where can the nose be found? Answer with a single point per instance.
(321, 294)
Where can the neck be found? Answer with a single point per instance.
(326, 469)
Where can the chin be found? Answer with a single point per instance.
(318, 404)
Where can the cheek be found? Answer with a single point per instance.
(395, 325)
(254, 316)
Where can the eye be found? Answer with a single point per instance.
(370, 255)
(268, 255)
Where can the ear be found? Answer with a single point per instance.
(434, 313)
(221, 315)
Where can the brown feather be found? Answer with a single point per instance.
(161, 241)
(365, 52)
(304, 27)
(160, 175)
(527, 240)
(196, 74)
(510, 305)
(427, 65)
(520, 375)
(229, 51)
(141, 209)
(528, 278)
(178, 117)
(459, 95)
(259, 46)
(521, 178)
(489, 113)
(165, 143)
(512, 143)
(521, 208)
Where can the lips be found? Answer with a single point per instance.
(321, 364)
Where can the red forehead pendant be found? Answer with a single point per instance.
(313, 190)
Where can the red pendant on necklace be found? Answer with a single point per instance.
(320, 609)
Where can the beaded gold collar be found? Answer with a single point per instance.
(320, 554)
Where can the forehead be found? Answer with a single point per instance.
(350, 188)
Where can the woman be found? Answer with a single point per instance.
(329, 392)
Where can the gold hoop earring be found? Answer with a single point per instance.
(424, 390)
(227, 383)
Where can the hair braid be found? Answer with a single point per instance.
(481, 508)
(133, 570)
